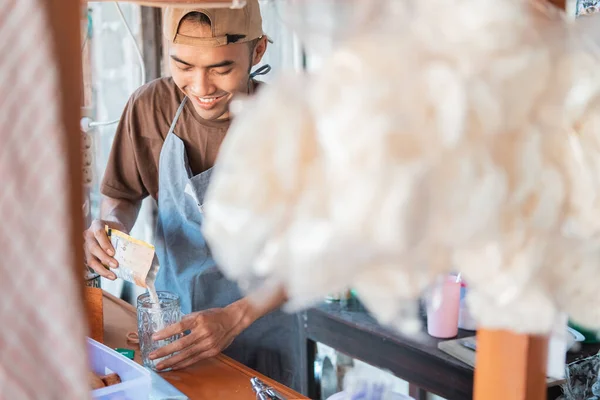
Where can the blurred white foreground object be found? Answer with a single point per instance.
(459, 135)
(42, 331)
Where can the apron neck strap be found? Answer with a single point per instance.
(177, 114)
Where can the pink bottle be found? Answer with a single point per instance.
(443, 305)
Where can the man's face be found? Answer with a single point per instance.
(211, 76)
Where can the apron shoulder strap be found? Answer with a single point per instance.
(177, 114)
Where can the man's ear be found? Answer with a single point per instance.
(259, 50)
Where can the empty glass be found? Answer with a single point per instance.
(153, 317)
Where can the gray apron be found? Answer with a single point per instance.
(270, 345)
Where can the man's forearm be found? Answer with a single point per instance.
(121, 211)
(255, 306)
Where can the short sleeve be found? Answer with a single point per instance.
(122, 178)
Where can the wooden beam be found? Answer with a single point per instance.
(183, 3)
(231, 3)
(152, 41)
(510, 366)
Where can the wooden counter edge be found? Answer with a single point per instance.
(284, 390)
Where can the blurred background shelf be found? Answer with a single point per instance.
(349, 329)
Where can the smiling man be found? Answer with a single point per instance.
(165, 146)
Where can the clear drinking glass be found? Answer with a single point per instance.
(153, 317)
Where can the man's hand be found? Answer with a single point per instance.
(98, 250)
(212, 331)
(119, 214)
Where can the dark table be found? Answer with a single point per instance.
(350, 329)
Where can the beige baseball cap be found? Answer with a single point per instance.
(237, 25)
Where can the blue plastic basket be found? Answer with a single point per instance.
(135, 379)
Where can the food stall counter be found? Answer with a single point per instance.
(218, 378)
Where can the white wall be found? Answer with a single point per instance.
(285, 53)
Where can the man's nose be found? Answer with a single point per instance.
(202, 85)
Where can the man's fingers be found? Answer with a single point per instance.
(194, 359)
(94, 264)
(189, 352)
(172, 330)
(188, 357)
(187, 362)
(178, 345)
(101, 255)
(102, 238)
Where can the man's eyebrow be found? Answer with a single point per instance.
(181, 61)
(225, 63)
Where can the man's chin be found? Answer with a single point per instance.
(211, 115)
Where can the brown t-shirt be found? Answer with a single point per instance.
(132, 170)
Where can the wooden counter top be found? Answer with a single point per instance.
(219, 378)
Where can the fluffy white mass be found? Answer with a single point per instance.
(469, 141)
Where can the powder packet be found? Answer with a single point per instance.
(136, 258)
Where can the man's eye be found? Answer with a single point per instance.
(223, 72)
(184, 68)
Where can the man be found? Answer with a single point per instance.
(165, 146)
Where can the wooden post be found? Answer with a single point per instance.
(64, 17)
(65, 24)
(95, 313)
(152, 41)
(559, 3)
(510, 366)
